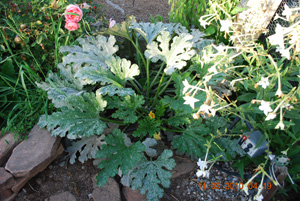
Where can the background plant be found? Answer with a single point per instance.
(265, 86)
(27, 35)
(189, 12)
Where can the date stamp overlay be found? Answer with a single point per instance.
(232, 186)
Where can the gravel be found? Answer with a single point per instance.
(219, 186)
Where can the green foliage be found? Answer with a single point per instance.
(149, 175)
(189, 12)
(79, 119)
(148, 127)
(119, 156)
(27, 43)
(126, 107)
(192, 140)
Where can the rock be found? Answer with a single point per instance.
(22, 181)
(7, 144)
(132, 195)
(6, 180)
(31, 155)
(110, 191)
(183, 168)
(6, 195)
(64, 196)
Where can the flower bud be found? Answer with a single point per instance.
(17, 39)
(23, 26)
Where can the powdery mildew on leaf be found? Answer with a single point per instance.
(87, 147)
(149, 31)
(174, 55)
(80, 119)
(92, 51)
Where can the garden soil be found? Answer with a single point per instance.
(61, 176)
(141, 9)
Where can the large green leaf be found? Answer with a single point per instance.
(122, 29)
(122, 68)
(192, 140)
(149, 176)
(148, 30)
(96, 73)
(92, 51)
(80, 119)
(176, 56)
(60, 87)
(119, 156)
(120, 71)
(147, 126)
(126, 107)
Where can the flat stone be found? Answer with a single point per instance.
(6, 180)
(132, 195)
(183, 168)
(109, 191)
(64, 196)
(31, 154)
(20, 182)
(7, 144)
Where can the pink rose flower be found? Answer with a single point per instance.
(71, 26)
(111, 23)
(73, 9)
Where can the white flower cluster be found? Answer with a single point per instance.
(286, 38)
(202, 172)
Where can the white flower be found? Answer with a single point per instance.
(220, 48)
(287, 106)
(245, 188)
(207, 109)
(190, 101)
(284, 52)
(202, 164)
(279, 92)
(265, 107)
(213, 69)
(225, 24)
(259, 198)
(203, 22)
(203, 173)
(284, 152)
(264, 82)
(270, 116)
(277, 38)
(196, 116)
(276, 17)
(111, 23)
(287, 12)
(186, 86)
(280, 125)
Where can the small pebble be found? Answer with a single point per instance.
(39, 181)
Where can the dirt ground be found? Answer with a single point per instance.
(141, 9)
